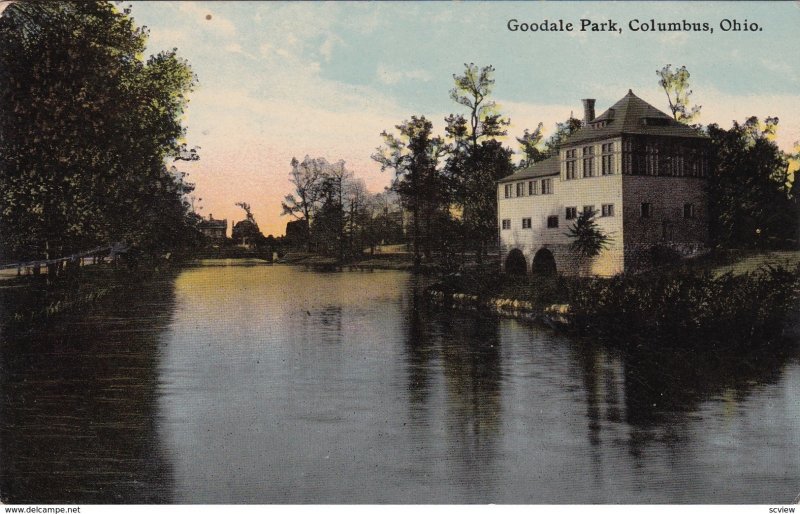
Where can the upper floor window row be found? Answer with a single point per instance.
(528, 188)
(664, 158)
(588, 163)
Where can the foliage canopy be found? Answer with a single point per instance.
(87, 127)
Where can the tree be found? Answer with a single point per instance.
(588, 239)
(563, 131)
(87, 127)
(470, 168)
(472, 90)
(246, 207)
(318, 201)
(675, 84)
(327, 230)
(530, 142)
(414, 156)
(306, 177)
(750, 199)
(361, 223)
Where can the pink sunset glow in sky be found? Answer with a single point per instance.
(283, 80)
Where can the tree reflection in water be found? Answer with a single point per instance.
(78, 417)
(466, 350)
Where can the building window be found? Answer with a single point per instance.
(547, 186)
(532, 188)
(647, 210)
(552, 222)
(588, 209)
(588, 161)
(607, 210)
(508, 190)
(526, 223)
(608, 159)
(688, 210)
(570, 170)
(572, 213)
(520, 188)
(570, 164)
(652, 151)
(506, 224)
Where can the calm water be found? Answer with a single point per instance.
(266, 384)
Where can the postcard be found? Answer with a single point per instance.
(399, 253)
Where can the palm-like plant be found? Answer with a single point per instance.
(587, 238)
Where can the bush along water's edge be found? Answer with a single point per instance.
(675, 308)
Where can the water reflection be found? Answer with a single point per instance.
(271, 384)
(78, 421)
(465, 351)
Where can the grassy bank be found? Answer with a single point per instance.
(713, 301)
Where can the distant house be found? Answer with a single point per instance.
(246, 233)
(214, 230)
(641, 171)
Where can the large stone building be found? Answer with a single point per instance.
(641, 171)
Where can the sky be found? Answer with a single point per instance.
(282, 80)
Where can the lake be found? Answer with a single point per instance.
(226, 383)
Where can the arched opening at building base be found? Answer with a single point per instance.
(516, 263)
(544, 264)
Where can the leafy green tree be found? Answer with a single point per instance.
(675, 84)
(563, 131)
(587, 238)
(87, 127)
(749, 192)
(476, 160)
(414, 156)
(327, 231)
(531, 145)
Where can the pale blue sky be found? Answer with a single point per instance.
(279, 80)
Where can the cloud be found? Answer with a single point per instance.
(326, 49)
(236, 48)
(389, 76)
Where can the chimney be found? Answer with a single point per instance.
(588, 111)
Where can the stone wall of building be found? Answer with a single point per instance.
(667, 229)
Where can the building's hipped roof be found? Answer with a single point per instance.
(545, 168)
(631, 115)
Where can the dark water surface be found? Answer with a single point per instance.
(267, 384)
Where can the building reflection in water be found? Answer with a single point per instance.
(649, 401)
(78, 420)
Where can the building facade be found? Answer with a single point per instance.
(637, 168)
(213, 230)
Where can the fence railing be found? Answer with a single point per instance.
(113, 249)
